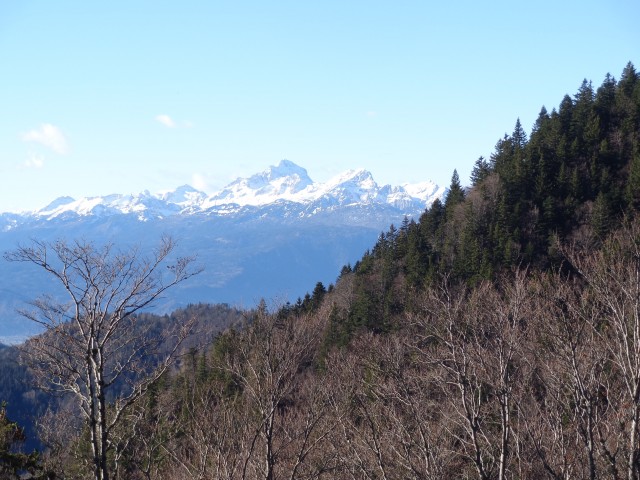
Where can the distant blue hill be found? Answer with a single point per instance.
(288, 234)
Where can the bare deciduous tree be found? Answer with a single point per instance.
(93, 348)
(576, 373)
(613, 280)
(385, 411)
(473, 340)
(267, 361)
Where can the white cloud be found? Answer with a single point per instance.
(372, 113)
(166, 120)
(199, 182)
(34, 161)
(49, 136)
(169, 122)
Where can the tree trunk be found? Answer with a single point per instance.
(269, 460)
(633, 447)
(504, 447)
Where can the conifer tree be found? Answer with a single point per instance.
(542, 119)
(633, 182)
(455, 195)
(628, 80)
(521, 166)
(519, 137)
(432, 220)
(565, 113)
(417, 256)
(13, 462)
(501, 156)
(601, 221)
(317, 296)
(480, 171)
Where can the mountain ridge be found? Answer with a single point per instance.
(285, 182)
(272, 235)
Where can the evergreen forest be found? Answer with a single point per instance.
(495, 337)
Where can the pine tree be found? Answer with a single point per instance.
(345, 270)
(601, 220)
(633, 183)
(628, 80)
(317, 296)
(542, 119)
(565, 114)
(431, 229)
(338, 333)
(364, 311)
(432, 220)
(455, 195)
(502, 155)
(628, 111)
(417, 256)
(521, 166)
(519, 137)
(481, 170)
(12, 463)
(605, 99)
(581, 113)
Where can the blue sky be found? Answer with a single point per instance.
(119, 97)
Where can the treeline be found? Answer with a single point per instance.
(574, 179)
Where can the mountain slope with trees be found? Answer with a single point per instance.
(496, 337)
(573, 180)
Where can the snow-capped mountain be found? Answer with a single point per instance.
(272, 235)
(286, 182)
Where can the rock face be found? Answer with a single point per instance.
(272, 235)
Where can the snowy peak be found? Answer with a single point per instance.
(288, 169)
(285, 182)
(57, 203)
(358, 186)
(290, 182)
(353, 186)
(361, 178)
(424, 190)
(184, 196)
(98, 206)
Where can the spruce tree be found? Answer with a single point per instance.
(542, 119)
(633, 183)
(565, 113)
(605, 101)
(601, 220)
(481, 170)
(317, 296)
(628, 80)
(519, 137)
(455, 195)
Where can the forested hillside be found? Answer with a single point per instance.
(36, 411)
(572, 181)
(496, 337)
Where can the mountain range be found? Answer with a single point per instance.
(272, 235)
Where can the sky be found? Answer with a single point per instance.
(126, 96)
